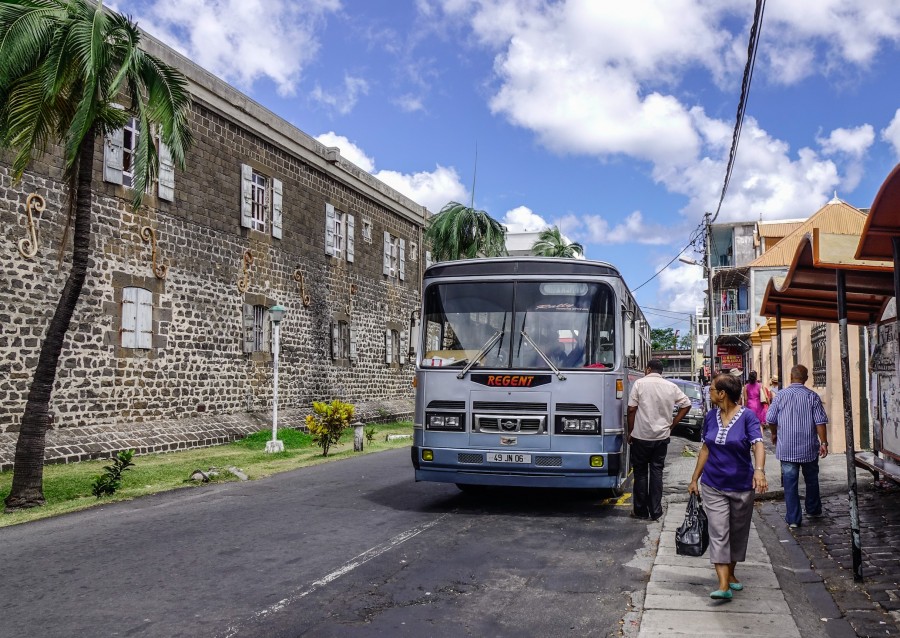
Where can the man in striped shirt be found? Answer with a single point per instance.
(797, 420)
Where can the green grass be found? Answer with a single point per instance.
(67, 488)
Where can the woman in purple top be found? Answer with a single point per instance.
(729, 475)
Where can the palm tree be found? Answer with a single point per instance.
(461, 232)
(63, 65)
(551, 243)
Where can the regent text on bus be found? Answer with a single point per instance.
(523, 368)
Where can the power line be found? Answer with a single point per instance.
(742, 102)
(736, 134)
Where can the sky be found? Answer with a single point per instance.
(611, 120)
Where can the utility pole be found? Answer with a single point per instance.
(709, 297)
(693, 348)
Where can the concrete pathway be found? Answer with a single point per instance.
(677, 601)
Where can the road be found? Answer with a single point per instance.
(351, 548)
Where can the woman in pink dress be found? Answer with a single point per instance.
(752, 395)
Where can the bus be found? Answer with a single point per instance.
(523, 368)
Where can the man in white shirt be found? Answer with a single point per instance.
(650, 422)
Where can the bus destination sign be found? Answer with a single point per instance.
(512, 380)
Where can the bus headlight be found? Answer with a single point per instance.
(427, 455)
(445, 422)
(577, 425)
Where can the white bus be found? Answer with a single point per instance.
(523, 370)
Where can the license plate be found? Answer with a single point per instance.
(506, 457)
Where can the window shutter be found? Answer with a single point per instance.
(246, 196)
(335, 336)
(387, 254)
(113, 162)
(353, 355)
(166, 186)
(388, 347)
(129, 317)
(402, 259)
(428, 261)
(329, 229)
(144, 316)
(404, 346)
(248, 328)
(277, 195)
(351, 233)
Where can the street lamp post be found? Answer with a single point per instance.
(276, 314)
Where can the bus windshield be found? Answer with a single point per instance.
(526, 323)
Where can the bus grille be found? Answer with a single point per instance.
(548, 461)
(470, 458)
(509, 406)
(584, 408)
(509, 424)
(447, 405)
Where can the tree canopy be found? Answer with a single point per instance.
(461, 232)
(551, 243)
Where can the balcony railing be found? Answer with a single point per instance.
(734, 323)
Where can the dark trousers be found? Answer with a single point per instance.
(648, 458)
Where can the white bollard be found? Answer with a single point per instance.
(358, 436)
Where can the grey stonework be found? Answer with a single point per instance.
(196, 380)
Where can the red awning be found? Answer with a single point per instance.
(883, 221)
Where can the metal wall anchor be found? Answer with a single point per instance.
(28, 247)
(149, 235)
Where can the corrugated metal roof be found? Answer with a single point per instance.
(835, 218)
(778, 229)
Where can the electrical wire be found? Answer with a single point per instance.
(752, 48)
(742, 102)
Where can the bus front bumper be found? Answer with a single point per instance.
(544, 469)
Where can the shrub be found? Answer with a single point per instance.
(329, 422)
(370, 434)
(107, 483)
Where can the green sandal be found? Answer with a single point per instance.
(736, 586)
(721, 594)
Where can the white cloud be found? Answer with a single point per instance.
(854, 142)
(349, 150)
(595, 229)
(431, 189)
(243, 40)
(410, 103)
(891, 133)
(611, 79)
(344, 99)
(523, 220)
(681, 287)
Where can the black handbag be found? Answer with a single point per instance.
(692, 538)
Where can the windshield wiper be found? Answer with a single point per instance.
(484, 350)
(559, 375)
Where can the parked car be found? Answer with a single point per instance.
(692, 423)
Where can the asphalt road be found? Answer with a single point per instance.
(352, 548)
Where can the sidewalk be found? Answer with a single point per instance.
(808, 592)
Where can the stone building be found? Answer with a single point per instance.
(170, 343)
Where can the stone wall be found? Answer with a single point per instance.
(197, 372)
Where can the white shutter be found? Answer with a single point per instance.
(277, 195)
(353, 355)
(113, 161)
(388, 347)
(329, 229)
(267, 332)
(335, 338)
(144, 323)
(428, 261)
(387, 254)
(166, 186)
(402, 259)
(246, 196)
(404, 346)
(351, 234)
(248, 328)
(129, 317)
